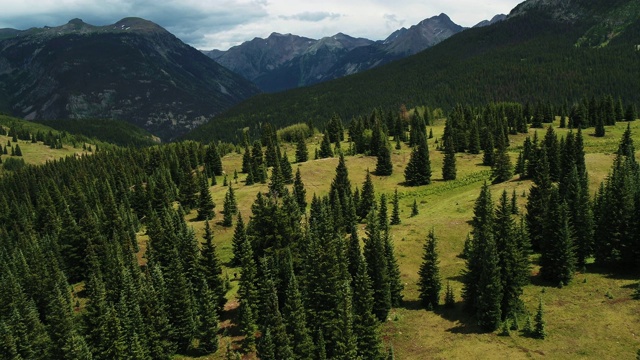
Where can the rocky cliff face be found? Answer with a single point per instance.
(132, 70)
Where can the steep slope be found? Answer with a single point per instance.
(531, 56)
(132, 70)
(493, 20)
(283, 62)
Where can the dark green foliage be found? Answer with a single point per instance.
(395, 214)
(211, 271)
(229, 207)
(418, 171)
(501, 169)
(285, 168)
(294, 316)
(299, 192)
(17, 151)
(449, 297)
(414, 208)
(212, 160)
(449, 164)
(367, 198)
(429, 284)
(489, 296)
(325, 148)
(539, 331)
(488, 156)
(393, 270)
(302, 154)
(247, 293)
(205, 202)
(630, 114)
(365, 324)
(384, 167)
(558, 259)
(538, 201)
(376, 258)
(239, 238)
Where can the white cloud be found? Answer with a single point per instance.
(220, 24)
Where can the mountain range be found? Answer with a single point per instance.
(553, 51)
(285, 61)
(132, 70)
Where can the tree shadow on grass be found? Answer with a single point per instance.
(621, 272)
(463, 322)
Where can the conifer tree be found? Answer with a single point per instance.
(539, 331)
(538, 201)
(285, 168)
(474, 138)
(501, 169)
(294, 316)
(384, 167)
(205, 202)
(489, 286)
(418, 171)
(247, 293)
(302, 154)
(367, 197)
(429, 284)
(557, 259)
(375, 256)
(414, 208)
(212, 160)
(228, 208)
(276, 185)
(247, 164)
(325, 148)
(365, 324)
(299, 192)
(211, 270)
(239, 237)
(393, 269)
(488, 155)
(449, 164)
(449, 297)
(208, 334)
(395, 214)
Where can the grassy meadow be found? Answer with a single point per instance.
(594, 317)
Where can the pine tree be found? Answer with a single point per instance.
(557, 259)
(285, 168)
(325, 147)
(205, 202)
(375, 255)
(539, 331)
(239, 237)
(299, 192)
(489, 285)
(302, 154)
(449, 297)
(365, 324)
(488, 155)
(393, 270)
(17, 151)
(414, 208)
(229, 208)
(395, 214)
(294, 316)
(211, 270)
(501, 169)
(449, 164)
(384, 167)
(247, 293)
(418, 171)
(208, 334)
(429, 284)
(367, 197)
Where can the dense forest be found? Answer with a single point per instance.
(77, 281)
(532, 58)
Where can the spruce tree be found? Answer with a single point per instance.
(384, 167)
(558, 259)
(211, 270)
(449, 164)
(539, 331)
(228, 208)
(285, 168)
(501, 169)
(375, 256)
(367, 197)
(247, 293)
(294, 316)
(429, 284)
(205, 202)
(489, 295)
(414, 208)
(239, 237)
(449, 297)
(418, 170)
(325, 147)
(299, 192)
(365, 324)
(302, 154)
(395, 214)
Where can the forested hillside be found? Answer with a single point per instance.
(530, 57)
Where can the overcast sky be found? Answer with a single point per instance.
(220, 24)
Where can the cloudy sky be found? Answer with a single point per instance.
(219, 24)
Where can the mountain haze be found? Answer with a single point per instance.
(132, 70)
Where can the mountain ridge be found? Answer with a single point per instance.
(131, 70)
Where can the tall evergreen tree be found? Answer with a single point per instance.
(501, 169)
(557, 259)
(205, 202)
(418, 170)
(375, 256)
(429, 284)
(325, 147)
(367, 197)
(211, 270)
(449, 164)
(285, 168)
(365, 324)
(299, 192)
(384, 167)
(302, 154)
(395, 214)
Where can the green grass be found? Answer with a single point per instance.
(582, 321)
